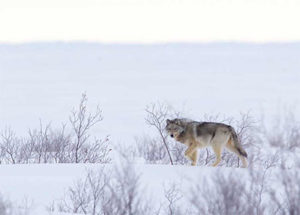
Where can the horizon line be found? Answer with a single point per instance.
(150, 43)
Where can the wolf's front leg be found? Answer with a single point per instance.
(191, 153)
(194, 158)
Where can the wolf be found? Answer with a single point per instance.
(203, 134)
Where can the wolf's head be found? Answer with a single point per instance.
(174, 127)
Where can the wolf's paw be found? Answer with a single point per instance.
(189, 157)
(214, 164)
(244, 166)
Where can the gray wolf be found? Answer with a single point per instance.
(203, 134)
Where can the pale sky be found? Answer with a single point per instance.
(151, 21)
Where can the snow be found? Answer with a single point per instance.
(45, 81)
(41, 184)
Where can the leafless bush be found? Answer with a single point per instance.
(281, 135)
(173, 195)
(177, 150)
(148, 148)
(236, 194)
(151, 149)
(257, 191)
(161, 149)
(40, 145)
(11, 147)
(59, 149)
(5, 206)
(126, 193)
(47, 145)
(87, 196)
(103, 193)
(81, 121)
(156, 117)
(224, 196)
(284, 132)
(287, 201)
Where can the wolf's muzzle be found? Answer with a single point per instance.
(172, 135)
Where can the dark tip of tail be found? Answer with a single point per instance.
(243, 153)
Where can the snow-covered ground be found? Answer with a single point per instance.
(41, 184)
(45, 81)
(37, 186)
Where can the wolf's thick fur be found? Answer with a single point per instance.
(203, 134)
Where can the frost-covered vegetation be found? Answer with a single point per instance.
(275, 145)
(269, 186)
(119, 191)
(72, 143)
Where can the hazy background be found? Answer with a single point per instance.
(45, 81)
(216, 57)
(148, 21)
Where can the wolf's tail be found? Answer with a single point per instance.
(236, 143)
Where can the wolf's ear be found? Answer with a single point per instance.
(168, 121)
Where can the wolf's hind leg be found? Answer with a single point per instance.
(218, 152)
(244, 161)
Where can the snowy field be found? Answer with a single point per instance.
(44, 81)
(42, 184)
(35, 188)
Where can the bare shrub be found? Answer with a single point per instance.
(86, 196)
(5, 206)
(177, 150)
(151, 149)
(126, 196)
(60, 145)
(148, 148)
(281, 135)
(206, 156)
(287, 201)
(40, 144)
(258, 190)
(173, 195)
(225, 196)
(284, 132)
(10, 147)
(8, 207)
(156, 116)
(81, 121)
(103, 193)
(257, 194)
(48, 145)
